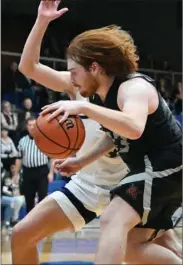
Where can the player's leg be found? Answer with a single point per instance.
(61, 210)
(136, 190)
(140, 251)
(162, 249)
(117, 220)
(168, 240)
(46, 218)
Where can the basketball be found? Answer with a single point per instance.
(58, 140)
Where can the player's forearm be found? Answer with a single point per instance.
(113, 120)
(31, 51)
(104, 146)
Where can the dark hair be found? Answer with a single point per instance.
(32, 118)
(26, 99)
(4, 129)
(5, 102)
(111, 47)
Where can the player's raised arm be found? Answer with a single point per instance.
(29, 64)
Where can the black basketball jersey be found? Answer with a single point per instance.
(160, 141)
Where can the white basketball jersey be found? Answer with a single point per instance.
(105, 170)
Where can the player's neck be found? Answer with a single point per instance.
(104, 86)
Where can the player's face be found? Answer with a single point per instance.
(82, 79)
(30, 126)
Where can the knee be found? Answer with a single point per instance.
(18, 236)
(105, 220)
(22, 236)
(109, 219)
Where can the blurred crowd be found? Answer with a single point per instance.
(23, 98)
(172, 95)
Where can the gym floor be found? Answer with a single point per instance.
(65, 246)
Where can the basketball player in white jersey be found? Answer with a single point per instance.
(87, 194)
(84, 197)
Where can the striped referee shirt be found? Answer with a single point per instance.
(30, 154)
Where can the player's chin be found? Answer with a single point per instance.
(85, 93)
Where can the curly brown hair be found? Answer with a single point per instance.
(111, 47)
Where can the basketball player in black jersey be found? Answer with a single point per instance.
(102, 65)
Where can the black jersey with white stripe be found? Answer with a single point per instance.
(160, 141)
(30, 154)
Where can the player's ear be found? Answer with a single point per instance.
(95, 68)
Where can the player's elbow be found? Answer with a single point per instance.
(134, 130)
(131, 132)
(26, 69)
(135, 134)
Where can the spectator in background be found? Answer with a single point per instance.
(166, 66)
(9, 83)
(150, 62)
(18, 199)
(163, 89)
(46, 52)
(11, 199)
(41, 97)
(25, 113)
(35, 168)
(8, 150)
(6, 205)
(6, 211)
(63, 96)
(27, 110)
(16, 86)
(175, 101)
(3, 171)
(178, 99)
(9, 120)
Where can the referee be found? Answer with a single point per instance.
(35, 168)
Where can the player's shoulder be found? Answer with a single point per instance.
(136, 85)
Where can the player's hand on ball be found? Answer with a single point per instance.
(66, 107)
(48, 9)
(67, 167)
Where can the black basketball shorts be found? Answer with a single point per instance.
(155, 195)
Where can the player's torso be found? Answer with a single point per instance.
(106, 170)
(161, 131)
